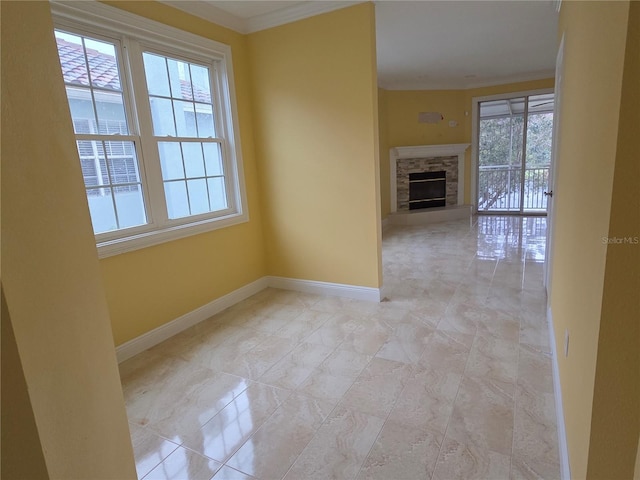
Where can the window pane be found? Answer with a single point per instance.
(155, 68)
(130, 205)
(123, 165)
(185, 118)
(162, 115)
(212, 158)
(103, 68)
(81, 108)
(110, 107)
(193, 162)
(177, 201)
(180, 78)
(201, 84)
(187, 82)
(198, 197)
(217, 193)
(170, 160)
(103, 216)
(72, 59)
(92, 163)
(204, 118)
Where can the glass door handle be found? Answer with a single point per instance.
(548, 194)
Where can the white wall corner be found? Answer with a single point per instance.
(168, 330)
(565, 468)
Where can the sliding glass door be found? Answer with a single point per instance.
(514, 154)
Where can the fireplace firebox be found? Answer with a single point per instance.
(427, 189)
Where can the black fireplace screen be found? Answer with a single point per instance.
(427, 189)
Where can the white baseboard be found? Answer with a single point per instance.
(565, 468)
(369, 294)
(163, 332)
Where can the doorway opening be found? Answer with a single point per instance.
(514, 154)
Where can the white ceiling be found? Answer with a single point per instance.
(425, 44)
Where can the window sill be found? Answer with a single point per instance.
(139, 241)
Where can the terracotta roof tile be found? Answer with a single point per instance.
(104, 71)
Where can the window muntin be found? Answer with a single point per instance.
(114, 188)
(223, 176)
(182, 110)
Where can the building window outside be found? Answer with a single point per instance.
(155, 135)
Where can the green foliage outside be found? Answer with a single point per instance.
(500, 156)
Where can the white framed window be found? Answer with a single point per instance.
(153, 111)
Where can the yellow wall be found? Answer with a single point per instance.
(150, 287)
(315, 94)
(402, 127)
(21, 453)
(615, 423)
(50, 272)
(383, 132)
(589, 113)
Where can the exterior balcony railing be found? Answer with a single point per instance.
(500, 188)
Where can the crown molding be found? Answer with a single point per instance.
(211, 13)
(295, 13)
(462, 85)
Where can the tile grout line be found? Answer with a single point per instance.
(387, 418)
(444, 435)
(446, 429)
(292, 392)
(448, 234)
(515, 403)
(256, 381)
(332, 410)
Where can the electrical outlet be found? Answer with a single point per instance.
(566, 342)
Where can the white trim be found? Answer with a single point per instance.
(163, 332)
(295, 13)
(168, 330)
(105, 17)
(109, 248)
(369, 294)
(557, 4)
(565, 468)
(92, 17)
(425, 151)
(553, 168)
(505, 96)
(211, 13)
(475, 112)
(276, 18)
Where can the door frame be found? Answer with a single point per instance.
(475, 136)
(553, 168)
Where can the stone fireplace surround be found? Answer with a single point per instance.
(405, 160)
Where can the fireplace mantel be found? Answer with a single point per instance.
(426, 151)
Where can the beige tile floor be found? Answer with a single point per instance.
(449, 377)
